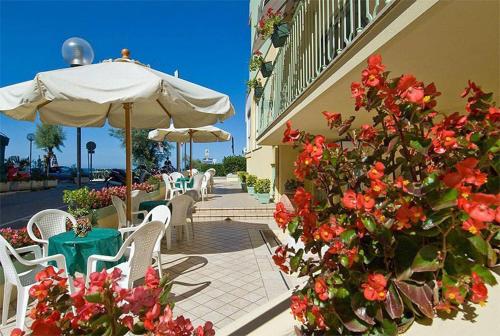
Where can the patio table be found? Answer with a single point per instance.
(183, 183)
(77, 250)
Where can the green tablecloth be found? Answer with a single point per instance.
(182, 182)
(76, 250)
(150, 205)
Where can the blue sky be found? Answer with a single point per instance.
(207, 41)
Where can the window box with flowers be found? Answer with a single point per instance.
(256, 85)
(410, 227)
(272, 25)
(257, 62)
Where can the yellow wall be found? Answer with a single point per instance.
(260, 161)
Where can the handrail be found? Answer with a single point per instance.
(319, 31)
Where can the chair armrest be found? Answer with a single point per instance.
(37, 251)
(123, 231)
(93, 259)
(58, 258)
(40, 241)
(144, 212)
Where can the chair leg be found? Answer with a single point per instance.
(168, 236)
(22, 306)
(188, 231)
(7, 291)
(192, 226)
(159, 264)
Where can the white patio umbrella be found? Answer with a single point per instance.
(126, 93)
(194, 134)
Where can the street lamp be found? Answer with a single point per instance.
(90, 151)
(30, 138)
(76, 52)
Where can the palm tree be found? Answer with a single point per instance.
(48, 137)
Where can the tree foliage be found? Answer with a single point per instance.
(48, 137)
(144, 151)
(235, 163)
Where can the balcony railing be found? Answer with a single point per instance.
(320, 30)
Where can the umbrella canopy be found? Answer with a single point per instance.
(123, 92)
(195, 134)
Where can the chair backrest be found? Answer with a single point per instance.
(143, 241)
(181, 205)
(137, 197)
(120, 211)
(211, 171)
(168, 182)
(206, 178)
(176, 175)
(197, 181)
(49, 222)
(194, 171)
(160, 213)
(9, 269)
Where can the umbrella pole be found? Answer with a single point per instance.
(190, 153)
(128, 157)
(178, 145)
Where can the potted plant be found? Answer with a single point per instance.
(251, 179)
(243, 180)
(262, 190)
(272, 25)
(256, 85)
(410, 225)
(257, 62)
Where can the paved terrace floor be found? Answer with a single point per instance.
(227, 270)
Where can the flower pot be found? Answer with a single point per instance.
(258, 92)
(263, 198)
(250, 190)
(266, 69)
(280, 34)
(243, 186)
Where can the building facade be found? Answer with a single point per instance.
(444, 41)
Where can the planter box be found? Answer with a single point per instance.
(250, 190)
(258, 92)
(37, 185)
(20, 185)
(280, 34)
(263, 198)
(4, 186)
(243, 186)
(84, 179)
(266, 69)
(51, 183)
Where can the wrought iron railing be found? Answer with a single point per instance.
(320, 30)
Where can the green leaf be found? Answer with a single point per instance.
(347, 236)
(406, 250)
(426, 259)
(369, 224)
(479, 244)
(295, 260)
(351, 322)
(485, 274)
(94, 298)
(359, 307)
(390, 328)
(448, 199)
(419, 147)
(431, 179)
(393, 304)
(421, 296)
(436, 218)
(292, 226)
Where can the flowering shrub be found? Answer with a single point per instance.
(265, 27)
(256, 61)
(155, 181)
(409, 221)
(104, 308)
(17, 237)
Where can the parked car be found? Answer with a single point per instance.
(62, 173)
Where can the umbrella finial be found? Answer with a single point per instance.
(125, 53)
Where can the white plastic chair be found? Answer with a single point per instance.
(49, 222)
(120, 211)
(170, 189)
(197, 181)
(211, 181)
(142, 242)
(181, 210)
(159, 213)
(205, 185)
(176, 175)
(137, 197)
(24, 280)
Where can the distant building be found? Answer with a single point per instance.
(207, 159)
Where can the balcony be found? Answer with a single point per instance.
(320, 31)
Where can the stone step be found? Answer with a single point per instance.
(264, 211)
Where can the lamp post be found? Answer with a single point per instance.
(76, 52)
(90, 151)
(30, 138)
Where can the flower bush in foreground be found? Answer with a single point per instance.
(408, 224)
(17, 237)
(106, 309)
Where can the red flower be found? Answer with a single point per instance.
(318, 317)
(290, 135)
(377, 171)
(321, 289)
(479, 290)
(479, 211)
(365, 202)
(375, 287)
(406, 215)
(368, 133)
(332, 118)
(281, 215)
(349, 200)
(357, 92)
(17, 332)
(377, 187)
(445, 306)
(401, 183)
(325, 233)
(473, 226)
(302, 198)
(410, 89)
(299, 307)
(453, 294)
(280, 256)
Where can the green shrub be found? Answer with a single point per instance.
(219, 168)
(243, 176)
(251, 179)
(79, 201)
(263, 186)
(155, 181)
(233, 164)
